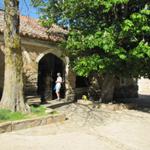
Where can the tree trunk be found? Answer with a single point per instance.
(107, 89)
(13, 96)
(102, 87)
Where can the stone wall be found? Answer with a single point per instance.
(32, 54)
(30, 67)
(126, 88)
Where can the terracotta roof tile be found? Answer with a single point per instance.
(30, 27)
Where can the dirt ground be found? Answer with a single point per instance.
(85, 129)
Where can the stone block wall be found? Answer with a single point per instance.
(31, 57)
(30, 68)
(126, 88)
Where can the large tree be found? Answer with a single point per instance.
(109, 38)
(13, 96)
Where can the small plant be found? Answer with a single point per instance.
(84, 97)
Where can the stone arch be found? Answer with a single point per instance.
(58, 53)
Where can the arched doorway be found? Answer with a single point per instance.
(48, 67)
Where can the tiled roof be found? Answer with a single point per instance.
(30, 27)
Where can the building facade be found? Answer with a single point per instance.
(43, 58)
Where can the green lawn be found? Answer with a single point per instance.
(7, 115)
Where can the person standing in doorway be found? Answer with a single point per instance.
(58, 85)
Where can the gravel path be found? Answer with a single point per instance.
(85, 129)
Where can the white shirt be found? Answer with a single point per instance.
(59, 80)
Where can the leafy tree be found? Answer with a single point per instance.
(107, 37)
(13, 97)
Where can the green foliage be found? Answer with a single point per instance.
(38, 110)
(8, 115)
(105, 35)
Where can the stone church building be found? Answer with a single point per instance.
(43, 58)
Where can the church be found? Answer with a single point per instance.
(43, 58)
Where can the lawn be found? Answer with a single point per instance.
(7, 115)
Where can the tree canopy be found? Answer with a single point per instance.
(105, 35)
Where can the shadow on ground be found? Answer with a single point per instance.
(142, 103)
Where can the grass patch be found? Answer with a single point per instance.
(38, 110)
(7, 115)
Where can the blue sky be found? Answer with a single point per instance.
(25, 8)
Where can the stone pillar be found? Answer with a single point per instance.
(30, 72)
(70, 86)
(70, 82)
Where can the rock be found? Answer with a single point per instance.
(28, 123)
(5, 127)
(84, 102)
(49, 110)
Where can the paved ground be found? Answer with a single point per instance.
(86, 128)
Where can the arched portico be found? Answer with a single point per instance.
(48, 67)
(49, 63)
